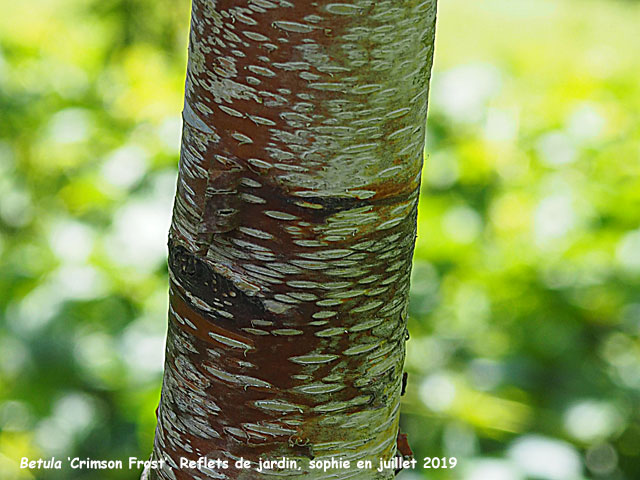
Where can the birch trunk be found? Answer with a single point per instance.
(292, 236)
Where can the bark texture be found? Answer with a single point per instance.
(292, 235)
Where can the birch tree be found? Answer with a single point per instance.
(292, 235)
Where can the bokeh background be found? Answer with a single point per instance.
(524, 359)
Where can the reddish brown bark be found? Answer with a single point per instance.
(293, 230)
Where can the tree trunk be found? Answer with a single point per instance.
(292, 236)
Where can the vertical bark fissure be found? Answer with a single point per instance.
(292, 235)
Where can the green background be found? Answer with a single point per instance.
(524, 359)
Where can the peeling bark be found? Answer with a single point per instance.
(293, 231)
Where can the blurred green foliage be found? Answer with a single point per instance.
(524, 361)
